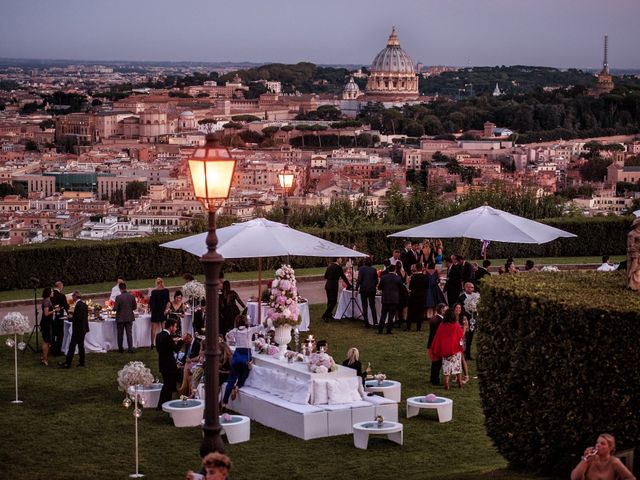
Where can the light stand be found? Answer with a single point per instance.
(36, 323)
(14, 344)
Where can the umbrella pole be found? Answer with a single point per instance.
(259, 291)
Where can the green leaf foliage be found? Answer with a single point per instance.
(557, 361)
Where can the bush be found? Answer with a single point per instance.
(558, 364)
(89, 262)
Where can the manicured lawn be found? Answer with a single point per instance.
(26, 294)
(72, 424)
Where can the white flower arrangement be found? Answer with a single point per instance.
(283, 301)
(549, 268)
(14, 323)
(322, 363)
(471, 303)
(380, 377)
(193, 290)
(134, 373)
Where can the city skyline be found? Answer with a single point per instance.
(491, 32)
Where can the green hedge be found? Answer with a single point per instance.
(558, 363)
(90, 262)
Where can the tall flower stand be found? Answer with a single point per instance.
(14, 323)
(136, 399)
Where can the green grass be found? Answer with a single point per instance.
(72, 424)
(26, 294)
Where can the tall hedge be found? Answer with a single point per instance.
(90, 261)
(558, 363)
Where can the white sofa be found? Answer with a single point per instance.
(284, 404)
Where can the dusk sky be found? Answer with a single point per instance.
(562, 33)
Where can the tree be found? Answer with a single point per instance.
(595, 169)
(31, 146)
(96, 102)
(135, 190)
(46, 124)
(414, 129)
(7, 189)
(117, 198)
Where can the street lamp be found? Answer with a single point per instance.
(285, 177)
(211, 169)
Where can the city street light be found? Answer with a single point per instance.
(211, 168)
(285, 177)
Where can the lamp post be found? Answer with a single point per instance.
(211, 168)
(285, 177)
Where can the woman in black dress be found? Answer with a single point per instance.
(403, 306)
(353, 361)
(176, 310)
(46, 324)
(158, 301)
(229, 310)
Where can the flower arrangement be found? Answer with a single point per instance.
(140, 297)
(549, 268)
(471, 303)
(430, 398)
(322, 363)
(272, 350)
(109, 304)
(193, 290)
(134, 373)
(380, 377)
(14, 323)
(293, 356)
(260, 345)
(226, 418)
(379, 420)
(283, 301)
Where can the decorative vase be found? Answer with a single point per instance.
(282, 338)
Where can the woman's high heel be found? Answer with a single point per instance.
(44, 362)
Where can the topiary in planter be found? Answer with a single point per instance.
(558, 364)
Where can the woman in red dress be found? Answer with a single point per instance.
(447, 345)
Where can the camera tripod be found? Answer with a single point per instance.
(353, 305)
(36, 325)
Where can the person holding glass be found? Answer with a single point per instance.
(598, 463)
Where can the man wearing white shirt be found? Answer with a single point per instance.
(606, 266)
(395, 258)
(115, 291)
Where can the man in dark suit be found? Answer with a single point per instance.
(61, 308)
(80, 327)
(166, 347)
(434, 323)
(417, 298)
(409, 256)
(332, 275)
(468, 271)
(367, 285)
(125, 307)
(482, 272)
(390, 285)
(468, 290)
(453, 286)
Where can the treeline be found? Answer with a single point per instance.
(535, 115)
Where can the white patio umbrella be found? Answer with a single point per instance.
(487, 224)
(260, 238)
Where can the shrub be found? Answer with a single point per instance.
(558, 364)
(89, 261)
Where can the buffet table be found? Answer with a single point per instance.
(346, 309)
(103, 336)
(252, 313)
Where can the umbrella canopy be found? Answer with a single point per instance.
(486, 223)
(262, 238)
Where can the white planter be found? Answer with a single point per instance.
(151, 394)
(185, 414)
(282, 338)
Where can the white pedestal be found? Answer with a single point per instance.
(389, 389)
(362, 430)
(185, 416)
(238, 430)
(444, 407)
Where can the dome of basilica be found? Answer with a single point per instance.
(393, 58)
(393, 74)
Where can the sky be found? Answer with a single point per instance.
(560, 33)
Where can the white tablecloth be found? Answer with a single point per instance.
(349, 310)
(103, 335)
(252, 312)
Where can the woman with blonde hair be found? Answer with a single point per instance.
(598, 463)
(353, 361)
(157, 302)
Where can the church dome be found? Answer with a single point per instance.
(393, 58)
(187, 113)
(352, 86)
